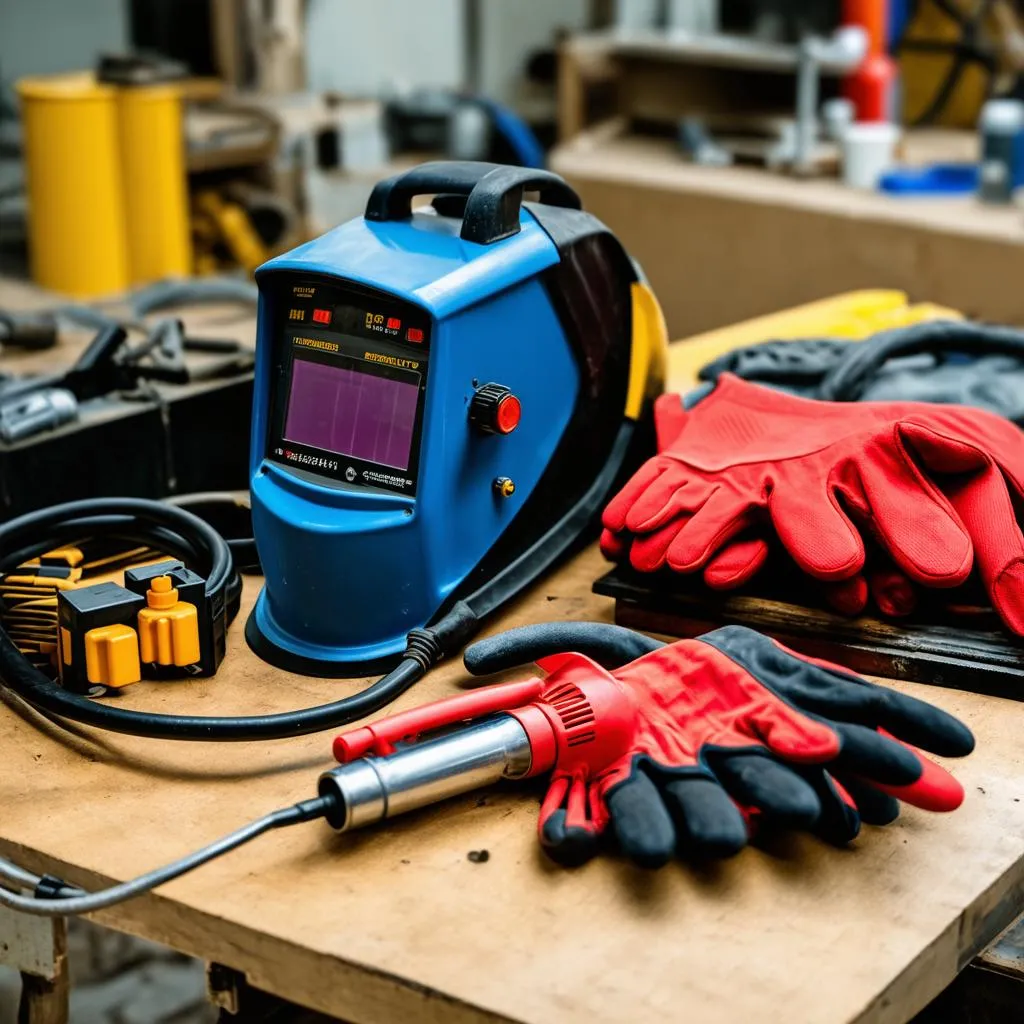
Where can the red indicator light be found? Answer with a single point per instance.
(509, 413)
(322, 316)
(393, 323)
(414, 334)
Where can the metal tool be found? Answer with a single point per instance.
(38, 411)
(577, 718)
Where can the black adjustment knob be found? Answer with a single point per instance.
(495, 410)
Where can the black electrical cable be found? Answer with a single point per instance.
(172, 528)
(36, 532)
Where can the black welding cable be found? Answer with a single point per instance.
(78, 901)
(140, 518)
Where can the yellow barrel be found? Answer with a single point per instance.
(73, 170)
(155, 184)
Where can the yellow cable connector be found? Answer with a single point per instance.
(168, 628)
(111, 655)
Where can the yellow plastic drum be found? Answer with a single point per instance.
(155, 182)
(76, 206)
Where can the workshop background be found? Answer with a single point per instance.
(750, 154)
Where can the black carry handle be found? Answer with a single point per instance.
(494, 191)
(846, 381)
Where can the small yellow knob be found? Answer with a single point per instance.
(161, 593)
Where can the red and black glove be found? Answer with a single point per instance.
(935, 486)
(730, 728)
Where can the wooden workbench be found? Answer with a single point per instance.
(720, 244)
(398, 924)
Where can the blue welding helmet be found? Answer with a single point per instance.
(444, 400)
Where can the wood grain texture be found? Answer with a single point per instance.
(397, 923)
(923, 649)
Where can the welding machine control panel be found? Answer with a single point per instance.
(350, 374)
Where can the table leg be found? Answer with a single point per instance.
(241, 1003)
(44, 1001)
(37, 948)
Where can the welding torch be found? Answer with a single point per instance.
(576, 717)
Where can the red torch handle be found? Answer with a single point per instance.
(379, 738)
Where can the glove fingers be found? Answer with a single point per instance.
(839, 821)
(641, 822)
(708, 824)
(614, 546)
(756, 780)
(873, 806)
(936, 790)
(908, 719)
(672, 494)
(737, 563)
(566, 835)
(648, 551)
(892, 591)
(914, 522)
(718, 520)
(614, 515)
(983, 502)
(816, 532)
(873, 756)
(848, 597)
(833, 692)
(793, 736)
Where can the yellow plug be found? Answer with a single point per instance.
(111, 655)
(168, 628)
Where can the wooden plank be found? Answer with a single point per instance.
(32, 945)
(990, 991)
(37, 948)
(974, 654)
(398, 923)
(43, 1001)
(723, 244)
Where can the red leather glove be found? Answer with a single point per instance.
(737, 561)
(726, 722)
(740, 559)
(934, 485)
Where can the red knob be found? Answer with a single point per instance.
(495, 410)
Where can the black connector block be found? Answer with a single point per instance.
(191, 588)
(84, 609)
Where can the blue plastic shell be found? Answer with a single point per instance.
(348, 572)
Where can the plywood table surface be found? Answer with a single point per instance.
(399, 924)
